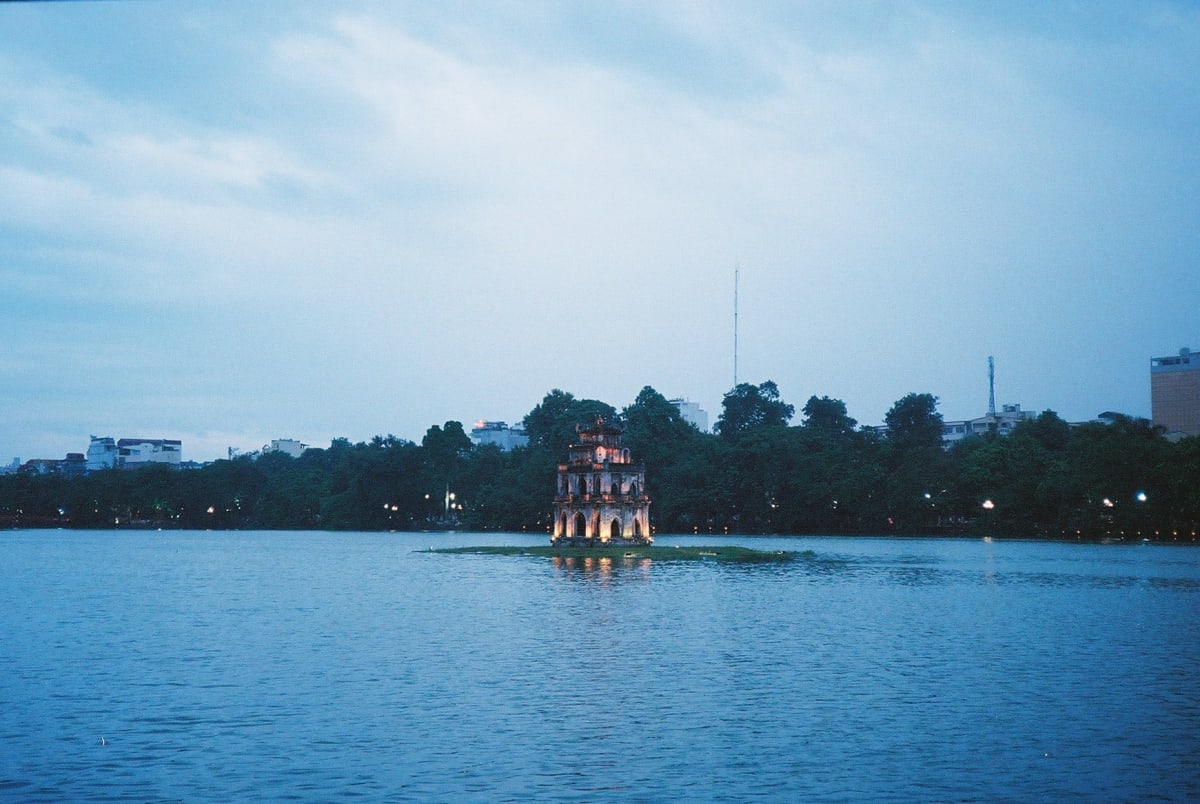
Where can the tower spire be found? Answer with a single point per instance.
(991, 386)
(736, 270)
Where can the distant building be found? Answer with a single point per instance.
(692, 413)
(101, 453)
(130, 453)
(288, 446)
(71, 466)
(12, 468)
(40, 466)
(74, 464)
(498, 433)
(133, 453)
(1175, 393)
(1001, 423)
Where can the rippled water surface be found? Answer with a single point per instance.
(316, 666)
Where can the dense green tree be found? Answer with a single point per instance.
(1119, 479)
(1003, 473)
(916, 467)
(551, 425)
(748, 407)
(913, 422)
(543, 423)
(1122, 463)
(1049, 429)
(697, 491)
(292, 493)
(655, 431)
(1181, 490)
(445, 450)
(828, 415)
(507, 490)
(443, 445)
(823, 489)
(658, 436)
(762, 461)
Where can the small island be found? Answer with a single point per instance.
(602, 512)
(722, 553)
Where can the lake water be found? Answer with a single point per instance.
(325, 666)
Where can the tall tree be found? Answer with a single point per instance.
(1049, 429)
(658, 436)
(654, 429)
(543, 422)
(914, 422)
(551, 425)
(445, 450)
(916, 466)
(444, 445)
(828, 415)
(748, 407)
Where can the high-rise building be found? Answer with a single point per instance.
(692, 413)
(288, 446)
(101, 453)
(500, 434)
(1175, 393)
(131, 453)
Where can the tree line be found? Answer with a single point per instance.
(757, 473)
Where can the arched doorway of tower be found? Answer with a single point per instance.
(615, 530)
(580, 526)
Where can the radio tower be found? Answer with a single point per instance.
(735, 324)
(991, 386)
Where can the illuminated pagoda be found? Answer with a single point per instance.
(601, 497)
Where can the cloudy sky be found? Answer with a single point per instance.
(227, 222)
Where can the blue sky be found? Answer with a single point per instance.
(228, 222)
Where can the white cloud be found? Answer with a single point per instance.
(414, 219)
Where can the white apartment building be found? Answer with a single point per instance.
(498, 433)
(131, 453)
(1001, 422)
(692, 413)
(288, 446)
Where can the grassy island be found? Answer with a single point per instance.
(724, 553)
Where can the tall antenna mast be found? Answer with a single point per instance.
(736, 269)
(991, 386)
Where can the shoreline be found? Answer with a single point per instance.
(1098, 539)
